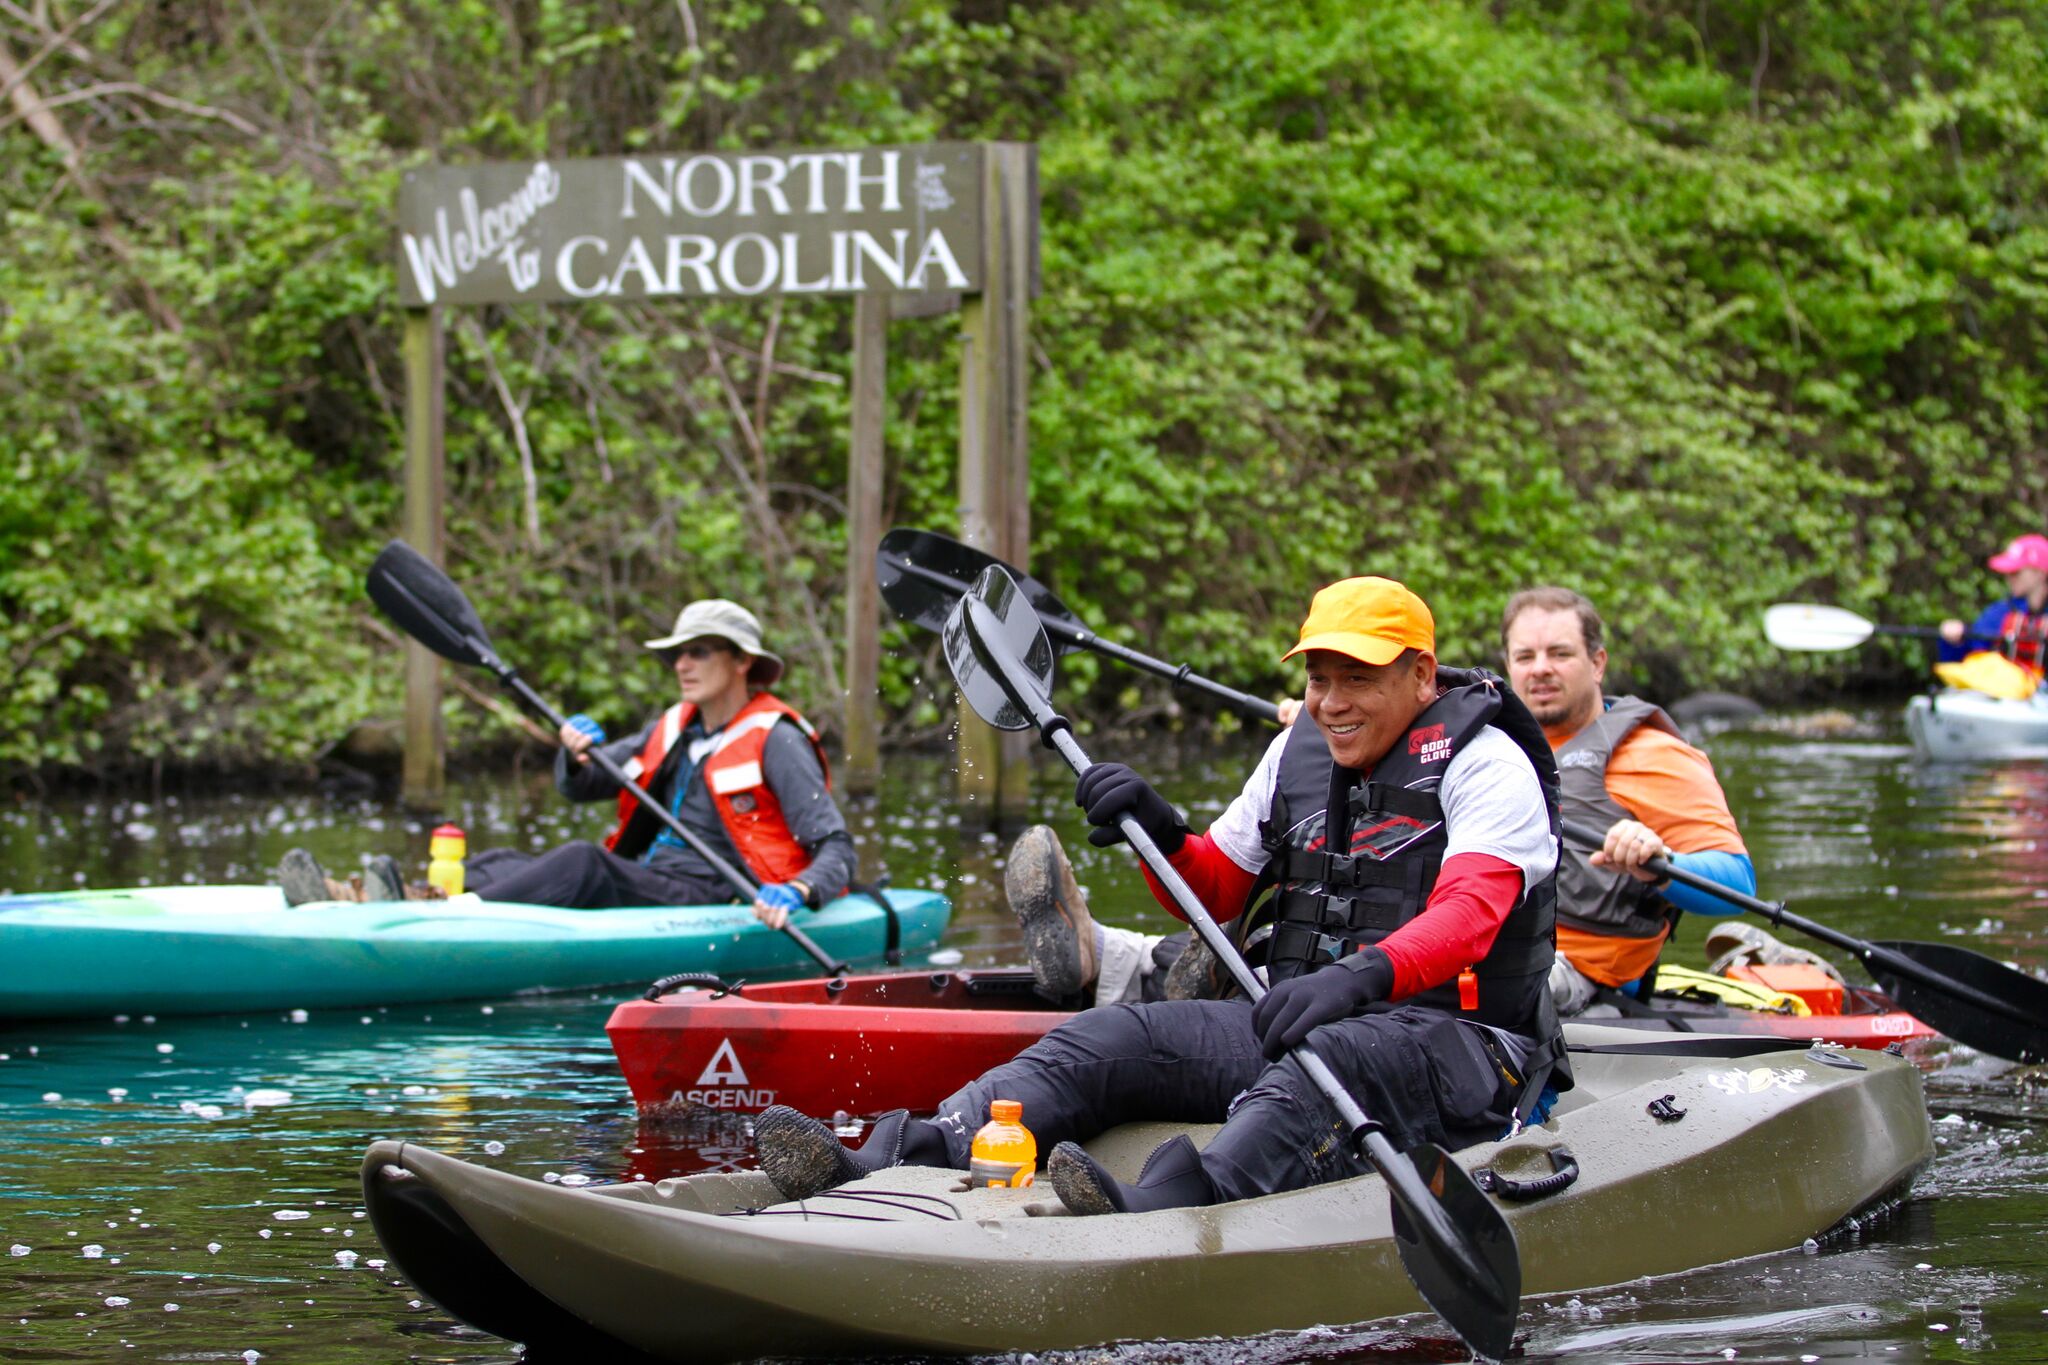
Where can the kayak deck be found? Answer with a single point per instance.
(215, 949)
(1770, 1148)
(869, 1043)
(1956, 724)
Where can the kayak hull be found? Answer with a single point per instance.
(867, 1044)
(1771, 1149)
(1955, 724)
(221, 949)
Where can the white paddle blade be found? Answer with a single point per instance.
(1807, 625)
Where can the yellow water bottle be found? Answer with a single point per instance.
(447, 849)
(1004, 1151)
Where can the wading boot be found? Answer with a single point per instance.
(302, 879)
(804, 1157)
(1172, 1178)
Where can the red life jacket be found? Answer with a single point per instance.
(739, 789)
(2020, 636)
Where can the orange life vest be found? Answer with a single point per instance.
(739, 788)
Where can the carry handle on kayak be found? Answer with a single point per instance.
(923, 574)
(428, 606)
(1454, 1242)
(1965, 995)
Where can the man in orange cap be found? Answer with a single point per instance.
(2019, 623)
(1408, 840)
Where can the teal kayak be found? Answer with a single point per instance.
(222, 949)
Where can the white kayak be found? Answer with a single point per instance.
(1954, 723)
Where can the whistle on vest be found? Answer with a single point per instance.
(1468, 989)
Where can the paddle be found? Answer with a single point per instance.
(1810, 626)
(1454, 1242)
(428, 606)
(1963, 994)
(923, 574)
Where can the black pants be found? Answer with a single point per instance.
(583, 876)
(1420, 1072)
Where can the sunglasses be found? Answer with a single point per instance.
(698, 653)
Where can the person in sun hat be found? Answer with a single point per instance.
(1417, 959)
(2019, 621)
(737, 766)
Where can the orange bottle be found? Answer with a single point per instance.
(1004, 1151)
(447, 848)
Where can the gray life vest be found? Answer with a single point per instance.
(1328, 904)
(1598, 900)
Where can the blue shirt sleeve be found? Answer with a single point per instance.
(1987, 623)
(1732, 870)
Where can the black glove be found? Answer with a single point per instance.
(1109, 791)
(1299, 1005)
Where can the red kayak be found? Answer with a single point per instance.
(863, 1045)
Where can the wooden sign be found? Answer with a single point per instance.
(894, 220)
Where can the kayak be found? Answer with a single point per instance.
(871, 1043)
(1671, 1154)
(221, 949)
(1955, 723)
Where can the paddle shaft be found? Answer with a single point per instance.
(1080, 637)
(1872, 955)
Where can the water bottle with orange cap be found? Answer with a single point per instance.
(1004, 1151)
(447, 848)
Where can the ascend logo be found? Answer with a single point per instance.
(724, 1084)
(724, 1067)
(1429, 744)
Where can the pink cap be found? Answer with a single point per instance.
(2027, 552)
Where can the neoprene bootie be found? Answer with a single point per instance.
(1172, 1178)
(804, 1157)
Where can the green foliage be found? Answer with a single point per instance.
(1694, 308)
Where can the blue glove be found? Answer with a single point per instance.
(584, 725)
(780, 896)
(1298, 1006)
(1108, 791)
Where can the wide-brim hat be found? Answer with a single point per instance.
(2027, 552)
(1369, 619)
(728, 621)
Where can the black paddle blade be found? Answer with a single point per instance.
(998, 652)
(2021, 1036)
(923, 574)
(426, 604)
(1458, 1248)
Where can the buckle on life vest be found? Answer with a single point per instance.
(1468, 989)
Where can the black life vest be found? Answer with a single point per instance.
(1328, 904)
(1598, 900)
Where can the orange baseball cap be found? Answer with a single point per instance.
(1368, 619)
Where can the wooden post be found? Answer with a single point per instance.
(995, 450)
(426, 487)
(863, 768)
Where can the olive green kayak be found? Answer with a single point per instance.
(1687, 1151)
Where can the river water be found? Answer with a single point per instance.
(185, 1189)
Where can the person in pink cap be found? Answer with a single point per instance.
(2019, 622)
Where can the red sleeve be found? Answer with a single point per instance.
(1473, 895)
(1218, 883)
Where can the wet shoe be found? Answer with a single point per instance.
(804, 1157)
(1736, 943)
(382, 879)
(303, 880)
(1059, 935)
(1172, 1178)
(1196, 975)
